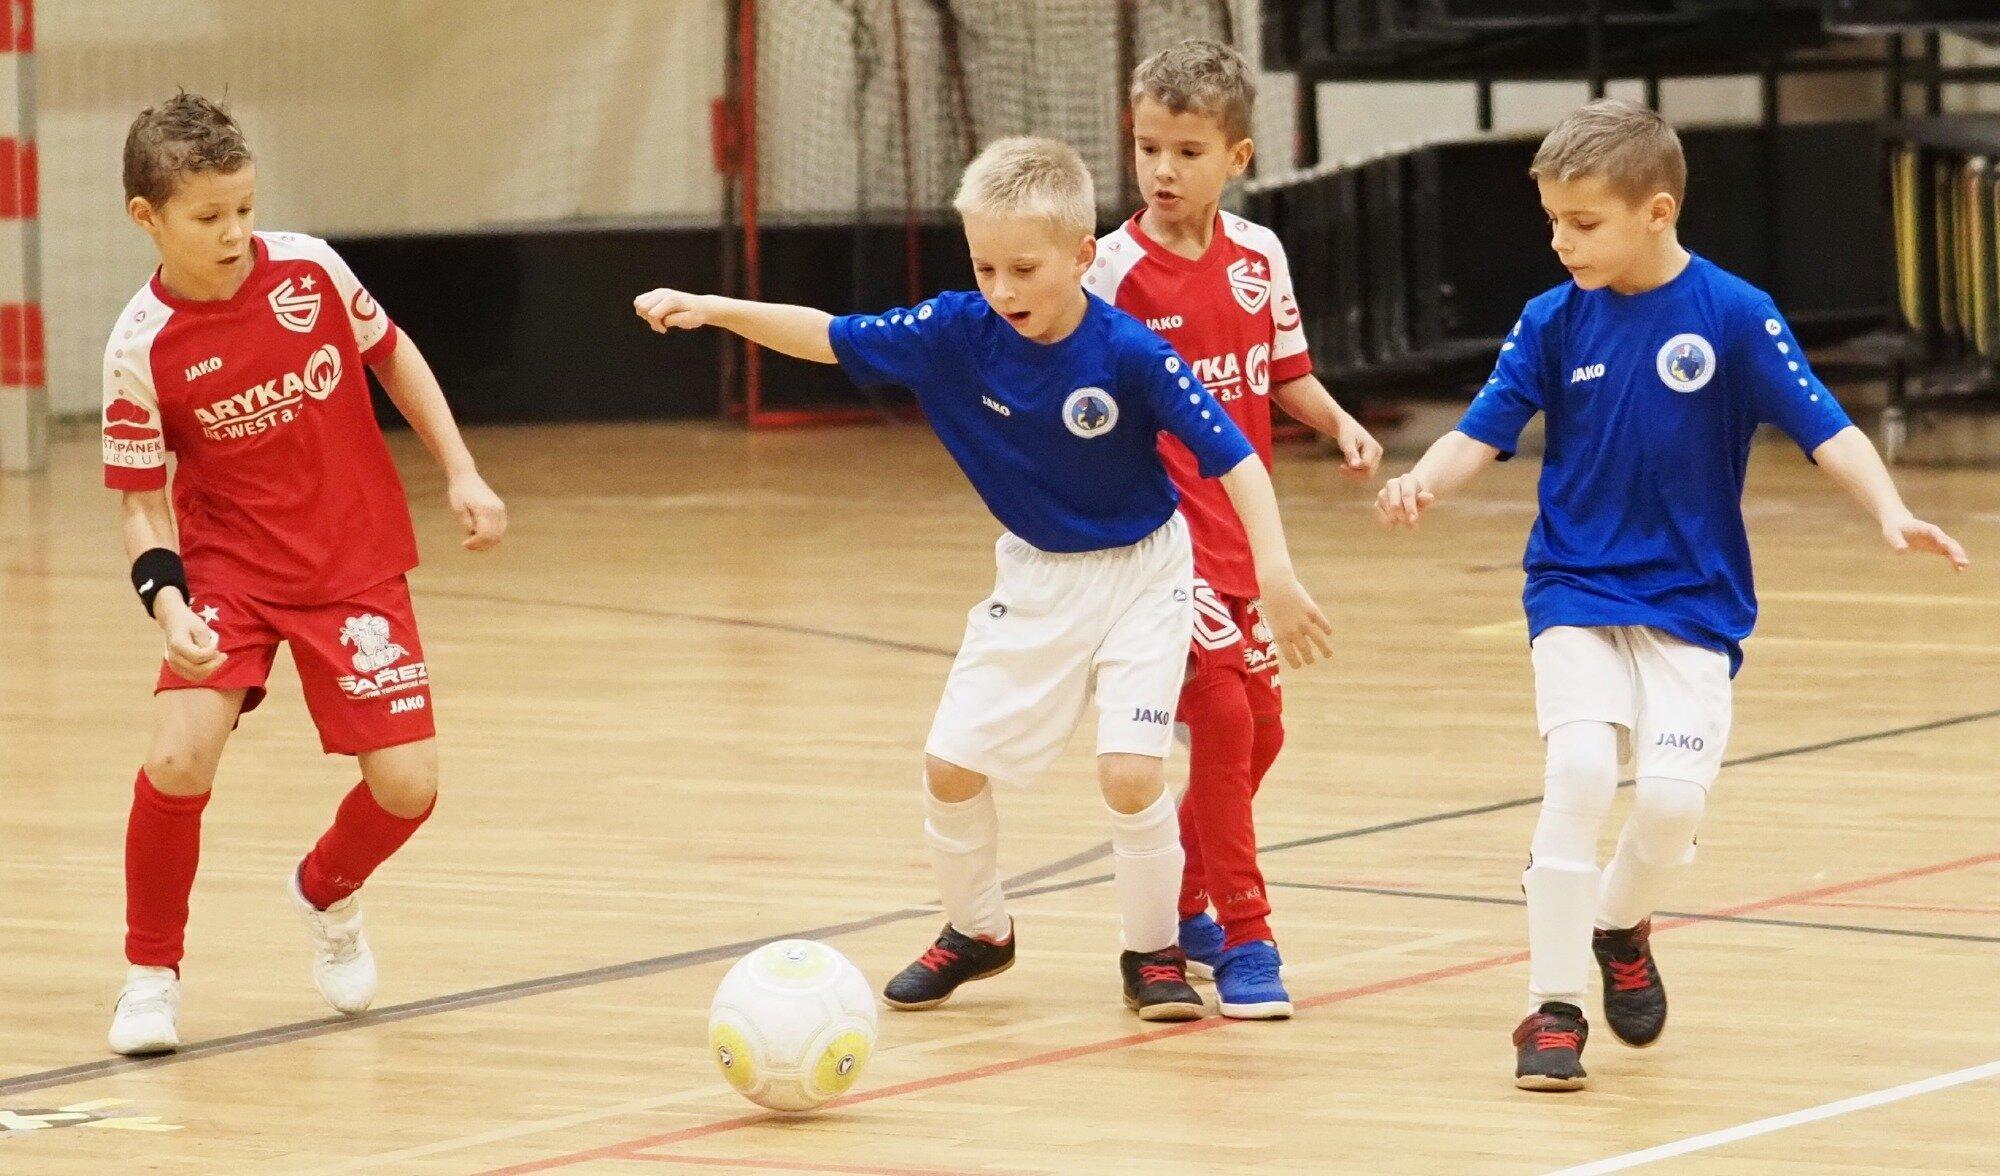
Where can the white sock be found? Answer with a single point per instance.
(1562, 878)
(1658, 840)
(964, 839)
(1146, 861)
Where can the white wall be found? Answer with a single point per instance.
(370, 116)
(388, 115)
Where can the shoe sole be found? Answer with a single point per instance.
(1196, 970)
(1170, 1011)
(1550, 1083)
(921, 1005)
(1269, 1010)
(147, 1051)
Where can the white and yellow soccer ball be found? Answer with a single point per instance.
(792, 1025)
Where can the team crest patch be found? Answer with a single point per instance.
(373, 649)
(1251, 283)
(1686, 363)
(297, 310)
(1090, 412)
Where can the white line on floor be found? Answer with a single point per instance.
(1859, 1102)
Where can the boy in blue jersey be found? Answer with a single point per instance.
(1653, 369)
(1051, 400)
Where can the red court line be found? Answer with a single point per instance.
(1917, 908)
(626, 1149)
(797, 1166)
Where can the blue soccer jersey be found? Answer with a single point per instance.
(1060, 439)
(1651, 402)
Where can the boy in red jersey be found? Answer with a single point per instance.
(1218, 288)
(243, 355)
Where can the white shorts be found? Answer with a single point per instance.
(1057, 631)
(1671, 697)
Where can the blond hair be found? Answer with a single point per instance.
(1632, 148)
(1028, 178)
(1206, 77)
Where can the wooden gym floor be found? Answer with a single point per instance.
(681, 712)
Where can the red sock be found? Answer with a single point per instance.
(363, 836)
(1216, 708)
(162, 848)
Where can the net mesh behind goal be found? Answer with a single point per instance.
(852, 120)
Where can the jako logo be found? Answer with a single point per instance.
(1172, 322)
(212, 364)
(1149, 715)
(1593, 372)
(1682, 742)
(996, 406)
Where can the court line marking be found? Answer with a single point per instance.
(1207, 1025)
(622, 610)
(718, 1090)
(1727, 1135)
(813, 1166)
(1740, 761)
(1935, 909)
(665, 614)
(302, 1030)
(1492, 900)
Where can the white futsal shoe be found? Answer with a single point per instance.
(147, 1018)
(343, 967)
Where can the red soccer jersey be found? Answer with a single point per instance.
(1233, 316)
(283, 488)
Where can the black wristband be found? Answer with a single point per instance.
(155, 569)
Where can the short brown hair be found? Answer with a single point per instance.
(1207, 77)
(1632, 148)
(187, 133)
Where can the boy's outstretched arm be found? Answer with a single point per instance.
(1445, 467)
(1310, 404)
(1849, 458)
(1298, 625)
(797, 331)
(407, 377)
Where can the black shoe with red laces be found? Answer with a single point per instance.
(955, 959)
(1548, 1049)
(1635, 1002)
(1156, 986)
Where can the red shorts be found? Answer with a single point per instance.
(1231, 637)
(359, 660)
